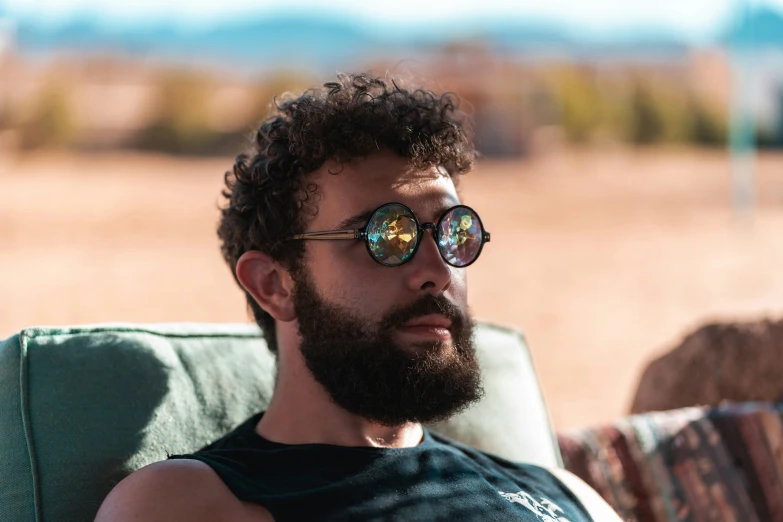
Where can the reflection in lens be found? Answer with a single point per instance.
(392, 234)
(460, 236)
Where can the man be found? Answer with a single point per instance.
(346, 231)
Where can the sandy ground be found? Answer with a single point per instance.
(604, 258)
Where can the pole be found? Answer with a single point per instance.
(742, 121)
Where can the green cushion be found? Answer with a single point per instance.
(82, 407)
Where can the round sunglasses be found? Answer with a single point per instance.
(393, 234)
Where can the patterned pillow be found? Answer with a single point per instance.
(691, 464)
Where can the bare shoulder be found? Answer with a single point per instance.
(593, 502)
(174, 490)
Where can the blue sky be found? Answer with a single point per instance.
(692, 19)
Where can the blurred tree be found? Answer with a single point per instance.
(638, 107)
(775, 138)
(580, 102)
(646, 121)
(49, 121)
(6, 119)
(707, 125)
(180, 124)
(275, 86)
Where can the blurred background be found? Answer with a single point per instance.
(631, 169)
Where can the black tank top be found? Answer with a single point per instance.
(439, 479)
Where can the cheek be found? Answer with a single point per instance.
(349, 277)
(459, 285)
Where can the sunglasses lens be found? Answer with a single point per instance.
(461, 236)
(392, 234)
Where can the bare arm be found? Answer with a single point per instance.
(590, 499)
(172, 491)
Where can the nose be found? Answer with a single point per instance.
(428, 271)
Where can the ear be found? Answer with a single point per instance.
(268, 282)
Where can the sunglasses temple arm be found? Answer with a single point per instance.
(330, 234)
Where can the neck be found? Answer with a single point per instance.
(302, 412)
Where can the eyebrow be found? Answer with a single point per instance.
(361, 218)
(355, 221)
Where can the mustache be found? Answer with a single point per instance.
(426, 305)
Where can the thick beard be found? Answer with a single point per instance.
(368, 374)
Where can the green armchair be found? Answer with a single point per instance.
(82, 407)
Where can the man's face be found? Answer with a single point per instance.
(355, 316)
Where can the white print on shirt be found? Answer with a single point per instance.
(545, 510)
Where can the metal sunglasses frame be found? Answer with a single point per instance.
(361, 233)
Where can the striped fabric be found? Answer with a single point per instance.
(693, 464)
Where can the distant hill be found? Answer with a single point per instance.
(251, 42)
(326, 43)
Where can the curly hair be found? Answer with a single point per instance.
(268, 194)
